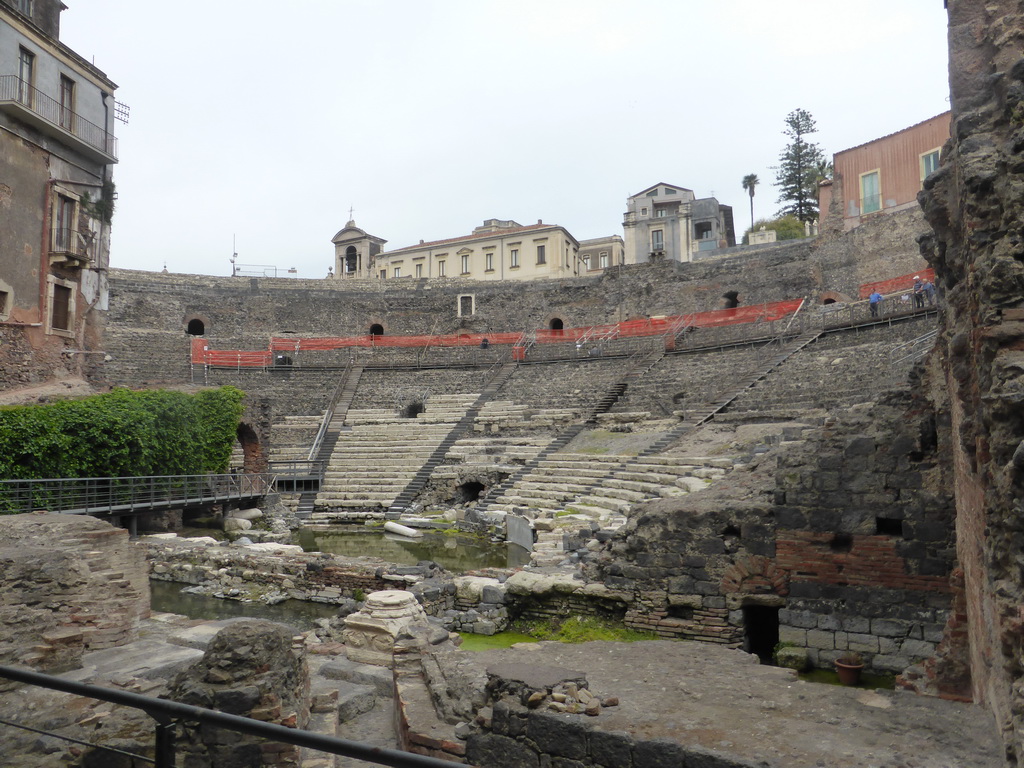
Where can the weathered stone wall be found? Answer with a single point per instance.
(274, 574)
(252, 669)
(974, 203)
(70, 584)
(853, 545)
(877, 248)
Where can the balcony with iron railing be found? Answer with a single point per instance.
(69, 246)
(32, 106)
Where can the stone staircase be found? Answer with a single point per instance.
(639, 365)
(349, 701)
(839, 370)
(338, 413)
(379, 453)
(404, 499)
(695, 417)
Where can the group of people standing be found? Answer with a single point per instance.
(922, 291)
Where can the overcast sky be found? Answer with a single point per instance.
(265, 121)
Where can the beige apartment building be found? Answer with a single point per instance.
(496, 250)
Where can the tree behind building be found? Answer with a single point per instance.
(798, 170)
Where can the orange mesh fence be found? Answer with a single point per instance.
(653, 326)
(896, 284)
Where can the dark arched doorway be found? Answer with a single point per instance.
(469, 491)
(196, 327)
(376, 329)
(253, 459)
(731, 299)
(556, 324)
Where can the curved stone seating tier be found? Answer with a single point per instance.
(577, 385)
(392, 389)
(601, 487)
(836, 371)
(291, 439)
(379, 453)
(496, 450)
(680, 381)
(504, 415)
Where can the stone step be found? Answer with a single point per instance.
(604, 502)
(649, 488)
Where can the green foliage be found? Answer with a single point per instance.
(582, 629)
(800, 168)
(103, 207)
(121, 434)
(786, 228)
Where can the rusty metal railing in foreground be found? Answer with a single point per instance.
(168, 714)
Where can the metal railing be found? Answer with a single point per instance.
(127, 495)
(290, 469)
(913, 350)
(67, 241)
(168, 714)
(14, 89)
(329, 414)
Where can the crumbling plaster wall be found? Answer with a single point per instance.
(974, 203)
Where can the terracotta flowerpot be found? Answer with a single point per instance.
(849, 674)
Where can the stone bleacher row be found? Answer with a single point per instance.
(378, 453)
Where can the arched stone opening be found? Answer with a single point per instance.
(253, 459)
(556, 324)
(351, 259)
(834, 297)
(469, 491)
(412, 409)
(376, 329)
(195, 327)
(730, 299)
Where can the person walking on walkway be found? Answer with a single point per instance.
(918, 293)
(873, 301)
(929, 292)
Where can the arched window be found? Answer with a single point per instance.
(195, 328)
(351, 259)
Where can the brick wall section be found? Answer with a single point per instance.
(871, 561)
(70, 584)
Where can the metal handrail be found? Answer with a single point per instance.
(125, 495)
(914, 349)
(14, 89)
(168, 713)
(298, 467)
(329, 414)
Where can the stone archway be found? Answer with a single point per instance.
(755, 588)
(253, 458)
(833, 297)
(755, 575)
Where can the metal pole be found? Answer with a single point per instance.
(164, 748)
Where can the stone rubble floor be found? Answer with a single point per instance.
(724, 701)
(689, 692)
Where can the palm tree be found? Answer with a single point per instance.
(749, 182)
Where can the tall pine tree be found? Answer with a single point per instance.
(798, 172)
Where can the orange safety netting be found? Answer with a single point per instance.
(653, 326)
(897, 284)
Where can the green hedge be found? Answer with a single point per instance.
(121, 434)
